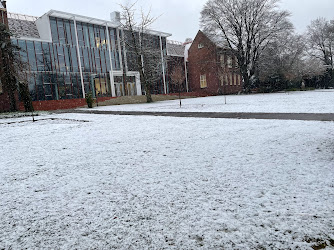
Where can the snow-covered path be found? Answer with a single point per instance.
(161, 182)
(319, 101)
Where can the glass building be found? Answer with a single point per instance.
(70, 55)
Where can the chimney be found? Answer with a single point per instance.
(115, 16)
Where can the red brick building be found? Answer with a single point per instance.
(212, 69)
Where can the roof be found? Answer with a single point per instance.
(22, 25)
(175, 48)
(23, 28)
(216, 39)
(92, 20)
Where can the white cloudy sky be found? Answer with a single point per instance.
(178, 17)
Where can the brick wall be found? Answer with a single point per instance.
(205, 60)
(202, 61)
(60, 104)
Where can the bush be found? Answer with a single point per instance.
(89, 100)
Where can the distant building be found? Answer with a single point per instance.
(70, 55)
(176, 59)
(212, 69)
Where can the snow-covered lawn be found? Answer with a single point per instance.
(319, 101)
(130, 182)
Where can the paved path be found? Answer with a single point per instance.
(272, 116)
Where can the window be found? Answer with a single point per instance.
(221, 80)
(200, 45)
(1, 87)
(203, 81)
(222, 62)
(229, 62)
(54, 31)
(231, 80)
(236, 62)
(239, 80)
(235, 79)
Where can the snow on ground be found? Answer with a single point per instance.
(128, 182)
(320, 101)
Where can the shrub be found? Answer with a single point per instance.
(89, 99)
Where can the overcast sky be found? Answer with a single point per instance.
(178, 17)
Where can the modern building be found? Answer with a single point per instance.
(212, 69)
(69, 55)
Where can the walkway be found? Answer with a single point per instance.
(271, 116)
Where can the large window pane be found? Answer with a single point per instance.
(68, 34)
(39, 56)
(61, 59)
(74, 41)
(61, 86)
(61, 31)
(91, 36)
(47, 56)
(40, 87)
(85, 34)
(54, 31)
(97, 61)
(103, 38)
(67, 58)
(31, 55)
(80, 35)
(32, 86)
(97, 36)
(92, 60)
(103, 61)
(23, 51)
(86, 60)
(74, 80)
(55, 58)
(68, 86)
(74, 60)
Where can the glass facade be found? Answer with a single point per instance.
(54, 73)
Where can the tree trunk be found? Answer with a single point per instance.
(180, 95)
(12, 101)
(148, 93)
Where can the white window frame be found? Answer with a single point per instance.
(200, 45)
(203, 82)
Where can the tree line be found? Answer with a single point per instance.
(270, 54)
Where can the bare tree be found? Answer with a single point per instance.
(141, 47)
(282, 61)
(320, 37)
(321, 40)
(178, 77)
(246, 27)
